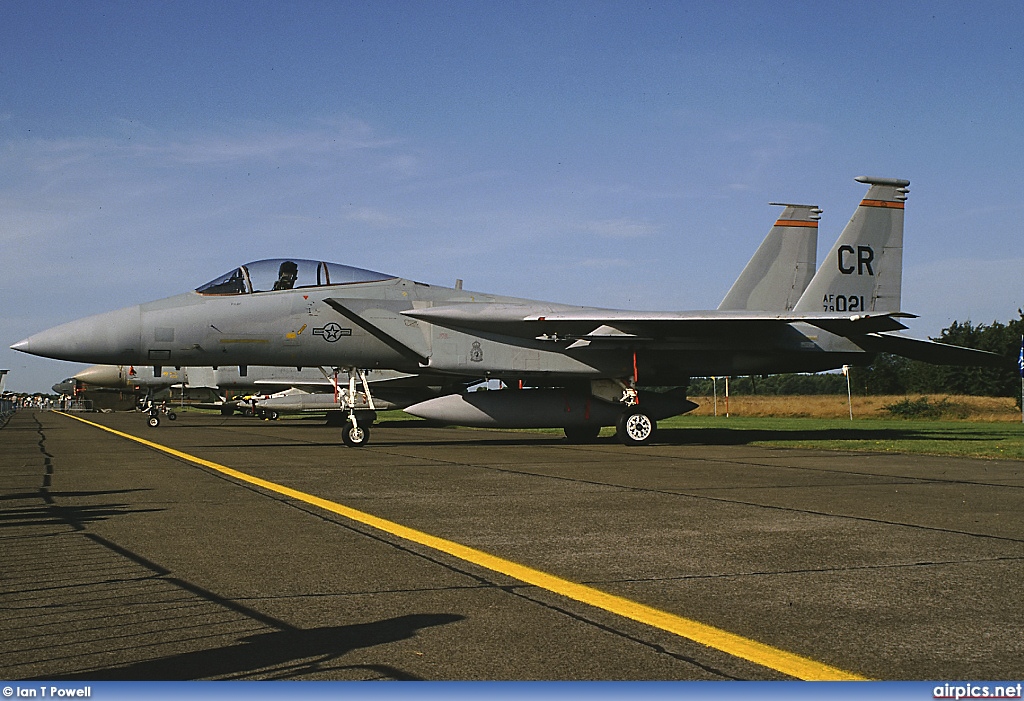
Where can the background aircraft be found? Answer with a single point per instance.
(109, 387)
(222, 389)
(587, 365)
(267, 389)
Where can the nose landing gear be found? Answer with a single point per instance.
(356, 433)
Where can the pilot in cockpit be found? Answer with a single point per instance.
(286, 276)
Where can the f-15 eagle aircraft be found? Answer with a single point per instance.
(587, 366)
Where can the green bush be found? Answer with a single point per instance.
(922, 408)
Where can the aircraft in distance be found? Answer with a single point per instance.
(587, 367)
(224, 378)
(269, 391)
(93, 385)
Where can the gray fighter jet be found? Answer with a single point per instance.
(586, 366)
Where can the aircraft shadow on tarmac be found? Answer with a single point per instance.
(431, 434)
(704, 436)
(440, 435)
(738, 436)
(280, 654)
(50, 513)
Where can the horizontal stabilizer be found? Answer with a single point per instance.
(873, 323)
(933, 352)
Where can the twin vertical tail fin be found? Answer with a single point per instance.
(782, 266)
(864, 270)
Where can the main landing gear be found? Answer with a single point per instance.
(635, 426)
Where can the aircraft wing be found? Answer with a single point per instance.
(635, 326)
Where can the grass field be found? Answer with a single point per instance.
(983, 427)
(964, 408)
(980, 427)
(978, 439)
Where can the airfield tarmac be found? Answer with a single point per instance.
(120, 561)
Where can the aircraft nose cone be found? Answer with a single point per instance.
(110, 338)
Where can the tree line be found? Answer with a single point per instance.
(893, 374)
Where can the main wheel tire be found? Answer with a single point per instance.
(153, 421)
(581, 434)
(356, 436)
(171, 416)
(635, 427)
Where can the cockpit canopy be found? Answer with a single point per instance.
(286, 274)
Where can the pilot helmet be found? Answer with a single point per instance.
(288, 269)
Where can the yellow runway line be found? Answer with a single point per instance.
(730, 643)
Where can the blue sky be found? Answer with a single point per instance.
(617, 154)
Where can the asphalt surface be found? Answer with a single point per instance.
(118, 561)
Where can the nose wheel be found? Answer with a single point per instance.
(357, 435)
